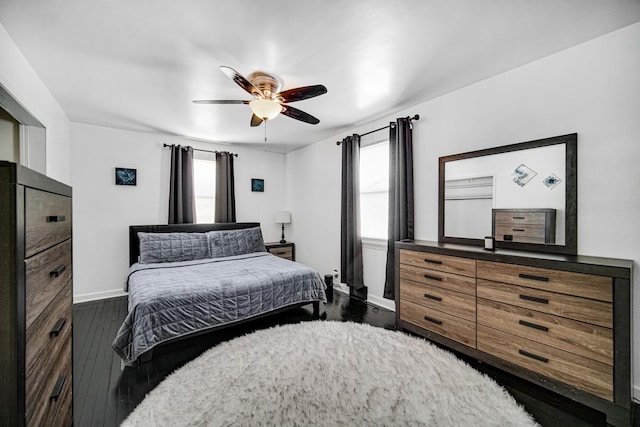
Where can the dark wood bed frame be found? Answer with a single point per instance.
(134, 253)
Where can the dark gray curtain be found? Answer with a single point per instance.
(225, 189)
(181, 196)
(350, 240)
(400, 194)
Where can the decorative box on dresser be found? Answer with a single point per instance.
(560, 321)
(35, 299)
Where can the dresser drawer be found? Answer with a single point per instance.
(64, 414)
(519, 217)
(46, 274)
(47, 220)
(586, 340)
(284, 252)
(523, 233)
(46, 336)
(452, 327)
(564, 282)
(42, 404)
(576, 308)
(455, 303)
(449, 264)
(585, 374)
(454, 282)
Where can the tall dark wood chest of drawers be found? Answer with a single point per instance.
(35, 299)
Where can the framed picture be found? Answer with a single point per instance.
(523, 174)
(257, 184)
(126, 176)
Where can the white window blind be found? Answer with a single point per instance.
(374, 190)
(204, 187)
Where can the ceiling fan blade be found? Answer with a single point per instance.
(300, 93)
(256, 121)
(220, 101)
(294, 113)
(241, 81)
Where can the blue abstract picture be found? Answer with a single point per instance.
(551, 181)
(125, 176)
(257, 184)
(523, 174)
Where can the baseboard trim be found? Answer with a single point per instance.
(382, 302)
(95, 296)
(341, 288)
(377, 301)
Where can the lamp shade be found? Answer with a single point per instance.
(283, 217)
(266, 109)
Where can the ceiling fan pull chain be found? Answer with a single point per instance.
(265, 135)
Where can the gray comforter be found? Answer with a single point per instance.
(170, 300)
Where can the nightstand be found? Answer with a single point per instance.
(283, 250)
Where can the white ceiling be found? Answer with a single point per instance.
(138, 64)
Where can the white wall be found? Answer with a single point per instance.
(103, 211)
(592, 89)
(17, 76)
(9, 138)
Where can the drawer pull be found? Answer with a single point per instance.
(58, 271)
(56, 218)
(518, 217)
(432, 261)
(57, 389)
(428, 276)
(518, 229)
(534, 299)
(433, 297)
(57, 327)
(533, 356)
(533, 325)
(432, 320)
(281, 253)
(532, 277)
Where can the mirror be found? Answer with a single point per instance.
(524, 195)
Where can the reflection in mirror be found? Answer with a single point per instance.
(524, 195)
(24, 134)
(513, 180)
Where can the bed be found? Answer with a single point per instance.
(188, 279)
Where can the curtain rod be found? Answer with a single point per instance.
(204, 151)
(416, 117)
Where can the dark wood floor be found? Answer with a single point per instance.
(105, 393)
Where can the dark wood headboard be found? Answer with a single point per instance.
(134, 243)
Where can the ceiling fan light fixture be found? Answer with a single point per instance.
(265, 109)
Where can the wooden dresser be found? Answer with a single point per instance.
(283, 250)
(35, 299)
(562, 322)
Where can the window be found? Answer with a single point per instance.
(204, 187)
(374, 190)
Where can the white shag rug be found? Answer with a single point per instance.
(328, 374)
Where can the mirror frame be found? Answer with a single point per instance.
(571, 195)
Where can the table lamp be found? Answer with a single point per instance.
(283, 218)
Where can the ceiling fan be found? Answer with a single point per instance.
(269, 101)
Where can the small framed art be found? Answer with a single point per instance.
(257, 184)
(126, 176)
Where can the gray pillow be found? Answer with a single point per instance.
(225, 243)
(173, 247)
